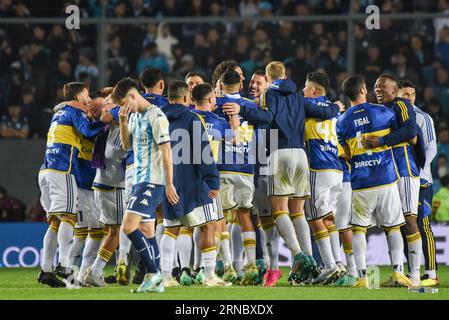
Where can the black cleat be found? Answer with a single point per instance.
(63, 272)
(140, 273)
(112, 279)
(50, 279)
(175, 272)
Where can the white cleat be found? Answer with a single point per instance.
(172, 283)
(216, 282)
(90, 280)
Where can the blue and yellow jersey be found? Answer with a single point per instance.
(403, 151)
(321, 140)
(370, 168)
(240, 157)
(83, 172)
(217, 129)
(345, 165)
(67, 127)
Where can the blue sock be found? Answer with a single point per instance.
(140, 242)
(152, 243)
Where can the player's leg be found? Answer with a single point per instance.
(409, 191)
(168, 248)
(296, 208)
(272, 238)
(236, 243)
(230, 275)
(160, 224)
(184, 249)
(81, 227)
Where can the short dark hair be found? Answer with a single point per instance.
(319, 78)
(230, 78)
(405, 83)
(227, 65)
(72, 89)
(201, 91)
(389, 77)
(102, 93)
(177, 89)
(122, 88)
(352, 86)
(259, 72)
(195, 74)
(151, 76)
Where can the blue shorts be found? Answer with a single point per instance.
(145, 197)
(425, 201)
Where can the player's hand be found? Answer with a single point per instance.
(213, 194)
(371, 142)
(125, 110)
(340, 105)
(172, 195)
(231, 108)
(234, 121)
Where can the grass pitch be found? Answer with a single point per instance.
(21, 284)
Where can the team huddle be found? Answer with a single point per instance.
(205, 182)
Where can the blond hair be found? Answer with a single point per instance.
(275, 70)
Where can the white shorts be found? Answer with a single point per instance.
(409, 192)
(88, 215)
(112, 206)
(59, 192)
(197, 217)
(288, 174)
(325, 187)
(236, 190)
(218, 208)
(261, 204)
(343, 214)
(129, 182)
(381, 206)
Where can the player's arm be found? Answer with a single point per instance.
(234, 124)
(342, 140)
(208, 170)
(86, 127)
(264, 114)
(312, 110)
(125, 136)
(406, 130)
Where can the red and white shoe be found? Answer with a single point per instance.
(273, 278)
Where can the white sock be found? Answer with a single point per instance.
(184, 248)
(225, 249)
(159, 232)
(197, 250)
(414, 243)
(335, 242)
(273, 238)
(167, 248)
(124, 246)
(396, 246)
(287, 231)
(100, 262)
(431, 273)
(350, 261)
(359, 247)
(49, 249)
(302, 232)
(263, 240)
(249, 242)
(208, 261)
(324, 246)
(89, 254)
(65, 237)
(237, 247)
(76, 248)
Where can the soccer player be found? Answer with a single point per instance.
(56, 179)
(237, 172)
(326, 183)
(407, 90)
(375, 196)
(224, 66)
(284, 110)
(219, 132)
(109, 191)
(193, 79)
(402, 141)
(147, 129)
(257, 85)
(197, 179)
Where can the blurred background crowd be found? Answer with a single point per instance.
(37, 59)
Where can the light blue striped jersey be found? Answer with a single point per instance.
(425, 122)
(149, 130)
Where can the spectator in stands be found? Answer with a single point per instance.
(165, 42)
(442, 90)
(440, 204)
(248, 8)
(443, 144)
(441, 23)
(151, 34)
(11, 209)
(151, 58)
(14, 125)
(35, 212)
(118, 65)
(86, 66)
(6, 9)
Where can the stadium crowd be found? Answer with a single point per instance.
(36, 60)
